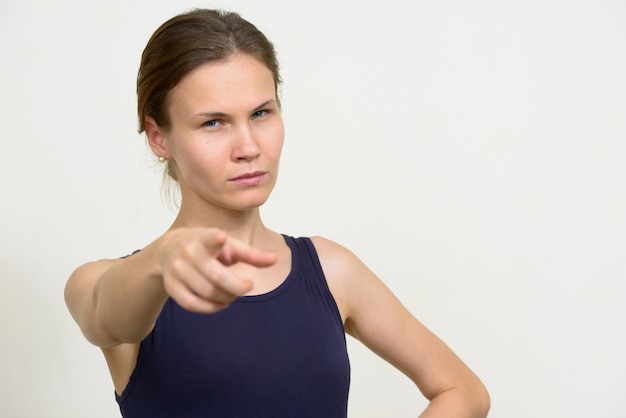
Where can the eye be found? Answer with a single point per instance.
(259, 114)
(214, 123)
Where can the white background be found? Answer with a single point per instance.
(471, 153)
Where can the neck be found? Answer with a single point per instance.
(244, 225)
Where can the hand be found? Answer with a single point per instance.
(194, 268)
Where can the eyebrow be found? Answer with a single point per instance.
(203, 115)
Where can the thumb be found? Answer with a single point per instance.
(235, 251)
(214, 241)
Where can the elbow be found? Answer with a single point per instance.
(484, 404)
(480, 400)
(468, 400)
(465, 400)
(477, 397)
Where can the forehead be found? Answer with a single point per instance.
(240, 82)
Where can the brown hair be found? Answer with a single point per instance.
(187, 41)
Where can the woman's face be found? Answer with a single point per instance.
(226, 134)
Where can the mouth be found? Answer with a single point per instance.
(250, 179)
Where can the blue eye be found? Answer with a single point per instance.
(259, 114)
(211, 123)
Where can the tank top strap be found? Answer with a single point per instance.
(305, 257)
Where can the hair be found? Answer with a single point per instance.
(186, 42)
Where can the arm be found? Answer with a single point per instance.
(118, 301)
(377, 318)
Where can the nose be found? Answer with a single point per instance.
(245, 147)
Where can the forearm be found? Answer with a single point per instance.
(459, 402)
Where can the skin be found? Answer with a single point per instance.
(225, 124)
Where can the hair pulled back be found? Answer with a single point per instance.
(188, 41)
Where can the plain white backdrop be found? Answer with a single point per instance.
(471, 153)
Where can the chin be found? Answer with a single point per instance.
(253, 202)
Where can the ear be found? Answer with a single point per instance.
(157, 139)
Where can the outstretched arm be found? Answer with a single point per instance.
(118, 301)
(375, 316)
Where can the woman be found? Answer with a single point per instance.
(221, 316)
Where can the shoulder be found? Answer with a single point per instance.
(347, 276)
(327, 248)
(361, 294)
(336, 260)
(87, 274)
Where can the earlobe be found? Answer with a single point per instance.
(156, 137)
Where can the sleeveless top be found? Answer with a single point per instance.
(281, 354)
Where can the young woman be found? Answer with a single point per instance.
(221, 316)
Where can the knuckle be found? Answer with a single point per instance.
(214, 272)
(177, 267)
(187, 301)
(187, 250)
(205, 290)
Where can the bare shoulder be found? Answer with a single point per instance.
(85, 270)
(334, 255)
(368, 304)
(79, 290)
(84, 277)
(340, 265)
(324, 244)
(346, 274)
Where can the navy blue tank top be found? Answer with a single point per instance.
(276, 355)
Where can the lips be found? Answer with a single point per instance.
(250, 179)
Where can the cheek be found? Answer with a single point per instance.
(277, 141)
(278, 145)
(200, 162)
